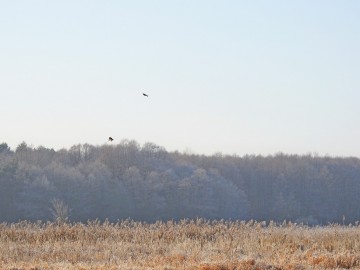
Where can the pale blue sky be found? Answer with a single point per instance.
(244, 77)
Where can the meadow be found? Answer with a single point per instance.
(188, 244)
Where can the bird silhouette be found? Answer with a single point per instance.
(110, 139)
(145, 95)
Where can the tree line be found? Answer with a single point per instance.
(146, 182)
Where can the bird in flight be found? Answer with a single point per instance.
(110, 139)
(145, 95)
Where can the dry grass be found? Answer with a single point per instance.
(188, 245)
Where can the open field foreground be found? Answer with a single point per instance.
(189, 245)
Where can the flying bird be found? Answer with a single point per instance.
(110, 139)
(145, 95)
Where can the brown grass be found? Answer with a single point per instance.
(187, 245)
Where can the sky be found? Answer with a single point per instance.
(236, 77)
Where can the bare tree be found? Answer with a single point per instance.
(60, 211)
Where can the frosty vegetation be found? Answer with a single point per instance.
(148, 183)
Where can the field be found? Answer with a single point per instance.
(188, 245)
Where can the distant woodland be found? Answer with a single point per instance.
(148, 183)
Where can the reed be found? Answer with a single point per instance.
(187, 244)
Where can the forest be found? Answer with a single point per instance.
(148, 183)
